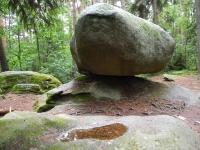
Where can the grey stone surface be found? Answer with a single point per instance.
(144, 133)
(111, 41)
(112, 88)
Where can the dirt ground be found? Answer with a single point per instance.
(140, 106)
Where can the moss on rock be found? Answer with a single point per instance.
(27, 88)
(28, 130)
(10, 78)
(150, 30)
(24, 130)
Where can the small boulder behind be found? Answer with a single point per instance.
(27, 88)
(168, 77)
(27, 81)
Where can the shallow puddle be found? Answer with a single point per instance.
(107, 132)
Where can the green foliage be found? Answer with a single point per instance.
(39, 40)
(179, 20)
(176, 63)
(45, 48)
(31, 13)
(55, 57)
(181, 72)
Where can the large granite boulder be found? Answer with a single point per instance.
(27, 81)
(111, 41)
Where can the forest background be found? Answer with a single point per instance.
(35, 34)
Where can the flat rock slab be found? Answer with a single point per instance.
(113, 88)
(143, 133)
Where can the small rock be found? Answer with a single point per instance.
(2, 97)
(168, 77)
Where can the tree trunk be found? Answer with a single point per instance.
(197, 3)
(123, 4)
(70, 17)
(93, 2)
(74, 23)
(3, 60)
(74, 13)
(155, 15)
(20, 51)
(38, 51)
(82, 5)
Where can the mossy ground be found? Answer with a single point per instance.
(27, 131)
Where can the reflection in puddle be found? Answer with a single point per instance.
(107, 132)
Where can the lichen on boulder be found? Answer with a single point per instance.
(110, 41)
(9, 79)
(27, 88)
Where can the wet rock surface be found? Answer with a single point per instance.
(106, 132)
(153, 132)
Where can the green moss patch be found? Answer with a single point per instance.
(149, 29)
(11, 78)
(26, 132)
(27, 88)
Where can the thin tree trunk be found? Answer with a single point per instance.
(155, 15)
(74, 23)
(93, 2)
(38, 51)
(3, 60)
(9, 25)
(20, 52)
(82, 5)
(70, 16)
(123, 4)
(197, 3)
(74, 13)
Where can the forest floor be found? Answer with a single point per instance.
(124, 107)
